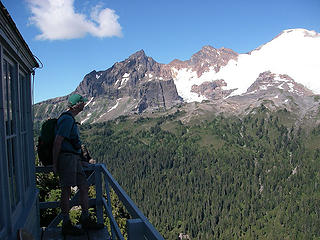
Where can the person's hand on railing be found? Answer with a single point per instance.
(92, 161)
(87, 164)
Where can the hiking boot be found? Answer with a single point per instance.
(90, 224)
(69, 229)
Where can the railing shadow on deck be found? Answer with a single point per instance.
(137, 228)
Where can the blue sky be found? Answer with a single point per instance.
(75, 37)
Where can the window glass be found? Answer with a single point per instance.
(11, 175)
(5, 97)
(23, 127)
(2, 180)
(10, 101)
(12, 98)
(26, 165)
(23, 101)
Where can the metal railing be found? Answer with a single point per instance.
(138, 227)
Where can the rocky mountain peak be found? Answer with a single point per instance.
(206, 54)
(113, 80)
(136, 84)
(138, 55)
(209, 56)
(205, 59)
(268, 81)
(140, 62)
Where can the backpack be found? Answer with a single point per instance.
(46, 139)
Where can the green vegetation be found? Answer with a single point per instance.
(316, 98)
(229, 178)
(49, 191)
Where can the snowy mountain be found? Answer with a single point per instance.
(294, 52)
(284, 72)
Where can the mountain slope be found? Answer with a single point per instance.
(134, 85)
(294, 52)
(232, 82)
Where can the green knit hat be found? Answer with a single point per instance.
(74, 99)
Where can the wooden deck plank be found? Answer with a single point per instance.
(55, 234)
(99, 235)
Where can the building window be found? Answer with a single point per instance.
(9, 85)
(23, 88)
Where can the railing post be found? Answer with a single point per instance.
(109, 203)
(98, 185)
(135, 229)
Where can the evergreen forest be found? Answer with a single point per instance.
(254, 177)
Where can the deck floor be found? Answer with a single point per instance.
(55, 234)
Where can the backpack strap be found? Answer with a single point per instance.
(74, 123)
(67, 113)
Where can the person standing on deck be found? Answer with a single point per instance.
(67, 164)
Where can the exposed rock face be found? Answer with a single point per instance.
(212, 90)
(158, 94)
(89, 85)
(207, 57)
(135, 85)
(139, 77)
(151, 83)
(121, 79)
(268, 81)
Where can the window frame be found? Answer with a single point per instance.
(11, 110)
(3, 175)
(13, 152)
(23, 84)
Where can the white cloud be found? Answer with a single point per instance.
(58, 20)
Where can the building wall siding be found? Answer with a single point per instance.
(32, 217)
(19, 206)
